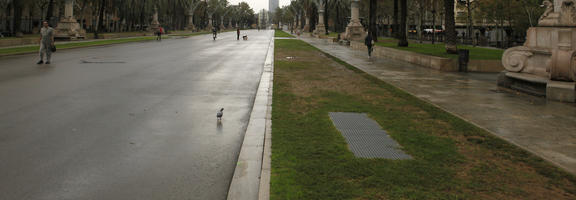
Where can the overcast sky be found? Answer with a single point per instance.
(258, 4)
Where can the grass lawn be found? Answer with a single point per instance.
(438, 49)
(453, 159)
(32, 49)
(278, 33)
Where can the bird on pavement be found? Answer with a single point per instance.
(220, 114)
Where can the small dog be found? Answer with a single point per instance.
(245, 37)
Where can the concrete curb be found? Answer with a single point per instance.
(251, 178)
(93, 40)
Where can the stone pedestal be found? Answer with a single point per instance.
(355, 30)
(561, 91)
(155, 24)
(321, 28)
(68, 28)
(546, 63)
(307, 24)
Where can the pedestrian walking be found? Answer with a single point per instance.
(368, 42)
(238, 33)
(159, 33)
(46, 42)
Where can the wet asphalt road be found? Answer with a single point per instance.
(129, 121)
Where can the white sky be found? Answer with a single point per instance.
(258, 5)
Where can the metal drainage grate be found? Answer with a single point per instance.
(365, 137)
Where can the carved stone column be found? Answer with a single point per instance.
(68, 28)
(320, 27)
(355, 30)
(155, 24)
(546, 64)
(307, 23)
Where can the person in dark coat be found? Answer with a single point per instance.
(238, 33)
(368, 43)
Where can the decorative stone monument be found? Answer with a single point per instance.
(320, 27)
(155, 24)
(546, 64)
(354, 30)
(307, 23)
(68, 28)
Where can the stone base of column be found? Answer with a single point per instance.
(69, 29)
(306, 28)
(321, 31)
(355, 31)
(561, 91)
(222, 27)
(154, 26)
(191, 27)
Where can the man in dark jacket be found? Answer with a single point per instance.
(368, 43)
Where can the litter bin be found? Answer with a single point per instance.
(463, 58)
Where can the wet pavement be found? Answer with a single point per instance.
(546, 128)
(129, 121)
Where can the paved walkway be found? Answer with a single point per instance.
(545, 128)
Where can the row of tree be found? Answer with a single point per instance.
(510, 16)
(133, 15)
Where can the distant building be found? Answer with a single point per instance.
(272, 5)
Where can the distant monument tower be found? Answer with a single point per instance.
(272, 5)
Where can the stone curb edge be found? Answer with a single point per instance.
(251, 179)
(97, 45)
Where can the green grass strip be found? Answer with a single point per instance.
(453, 159)
(32, 49)
(476, 53)
(279, 33)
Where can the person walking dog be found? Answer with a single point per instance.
(238, 33)
(46, 42)
(159, 33)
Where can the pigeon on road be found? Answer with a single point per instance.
(220, 114)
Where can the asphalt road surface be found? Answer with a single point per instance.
(128, 121)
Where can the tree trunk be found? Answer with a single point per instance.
(18, 18)
(372, 27)
(434, 25)
(470, 25)
(326, 16)
(403, 41)
(395, 25)
(420, 22)
(450, 32)
(100, 25)
(49, 13)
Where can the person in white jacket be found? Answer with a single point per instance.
(46, 42)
